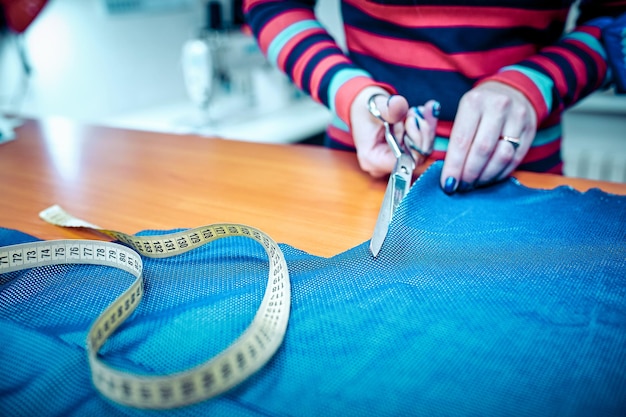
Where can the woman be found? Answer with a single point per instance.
(495, 76)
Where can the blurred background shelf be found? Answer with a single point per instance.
(302, 121)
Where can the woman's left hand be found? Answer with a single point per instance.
(477, 154)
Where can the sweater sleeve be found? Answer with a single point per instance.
(561, 74)
(295, 42)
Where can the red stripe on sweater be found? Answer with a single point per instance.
(554, 72)
(557, 169)
(601, 64)
(248, 4)
(279, 23)
(424, 55)
(576, 63)
(443, 129)
(537, 153)
(438, 155)
(348, 92)
(284, 53)
(305, 58)
(467, 16)
(321, 69)
(594, 31)
(340, 136)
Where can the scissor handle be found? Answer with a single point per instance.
(389, 137)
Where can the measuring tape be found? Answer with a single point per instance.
(246, 355)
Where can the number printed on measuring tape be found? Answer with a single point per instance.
(246, 355)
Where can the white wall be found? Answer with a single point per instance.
(88, 65)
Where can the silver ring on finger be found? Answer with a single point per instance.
(516, 142)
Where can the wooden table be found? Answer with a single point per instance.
(312, 198)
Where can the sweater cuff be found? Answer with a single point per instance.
(536, 86)
(343, 94)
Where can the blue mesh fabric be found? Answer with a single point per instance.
(502, 301)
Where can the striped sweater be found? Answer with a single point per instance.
(439, 49)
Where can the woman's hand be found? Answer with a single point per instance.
(476, 154)
(373, 153)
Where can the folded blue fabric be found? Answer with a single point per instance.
(501, 301)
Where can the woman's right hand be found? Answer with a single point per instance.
(373, 153)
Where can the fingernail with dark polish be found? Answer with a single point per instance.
(450, 185)
(417, 122)
(436, 109)
(418, 112)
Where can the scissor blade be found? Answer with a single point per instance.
(397, 188)
(384, 218)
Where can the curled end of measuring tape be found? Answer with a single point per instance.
(59, 217)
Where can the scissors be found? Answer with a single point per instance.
(399, 180)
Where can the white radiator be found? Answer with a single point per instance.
(594, 138)
(595, 164)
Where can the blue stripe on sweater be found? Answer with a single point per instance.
(339, 79)
(588, 40)
(542, 81)
(279, 42)
(543, 137)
